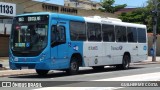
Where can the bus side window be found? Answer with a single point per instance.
(61, 34)
(58, 34)
(53, 33)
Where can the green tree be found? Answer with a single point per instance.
(108, 6)
(150, 8)
(142, 16)
(137, 16)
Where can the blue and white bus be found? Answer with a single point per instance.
(50, 41)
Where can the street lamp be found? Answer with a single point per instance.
(155, 14)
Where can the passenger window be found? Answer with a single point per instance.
(53, 33)
(132, 34)
(77, 31)
(108, 33)
(120, 33)
(94, 32)
(141, 35)
(61, 34)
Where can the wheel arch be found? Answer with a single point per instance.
(79, 56)
(127, 53)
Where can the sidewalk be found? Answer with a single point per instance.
(4, 62)
(5, 71)
(149, 61)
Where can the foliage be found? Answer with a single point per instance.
(108, 6)
(141, 15)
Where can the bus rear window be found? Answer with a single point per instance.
(141, 35)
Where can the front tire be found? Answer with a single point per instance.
(42, 72)
(74, 66)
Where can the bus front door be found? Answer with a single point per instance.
(59, 48)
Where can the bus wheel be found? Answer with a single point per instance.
(74, 66)
(42, 72)
(97, 68)
(125, 63)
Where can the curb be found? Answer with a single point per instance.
(145, 62)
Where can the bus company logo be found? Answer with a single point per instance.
(76, 48)
(145, 48)
(27, 44)
(69, 44)
(93, 48)
(117, 48)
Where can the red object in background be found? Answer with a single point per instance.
(17, 27)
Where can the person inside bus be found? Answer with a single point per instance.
(92, 36)
(54, 33)
(98, 38)
(33, 34)
(110, 37)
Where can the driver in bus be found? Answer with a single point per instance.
(33, 34)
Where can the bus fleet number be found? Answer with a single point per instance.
(6, 9)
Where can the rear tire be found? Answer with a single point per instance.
(74, 66)
(125, 63)
(42, 72)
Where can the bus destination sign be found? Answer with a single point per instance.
(38, 18)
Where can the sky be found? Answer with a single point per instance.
(59, 2)
(130, 3)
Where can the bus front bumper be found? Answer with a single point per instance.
(29, 65)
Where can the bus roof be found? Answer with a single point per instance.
(37, 13)
(112, 22)
(93, 19)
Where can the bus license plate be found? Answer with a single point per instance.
(24, 67)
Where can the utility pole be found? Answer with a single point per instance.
(154, 30)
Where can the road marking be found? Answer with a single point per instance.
(157, 67)
(84, 75)
(139, 77)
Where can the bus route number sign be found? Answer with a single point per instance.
(7, 9)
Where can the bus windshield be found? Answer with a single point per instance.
(28, 34)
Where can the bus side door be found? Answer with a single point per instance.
(59, 48)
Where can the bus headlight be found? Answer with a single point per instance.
(16, 59)
(13, 59)
(42, 57)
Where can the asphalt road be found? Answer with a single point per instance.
(139, 72)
